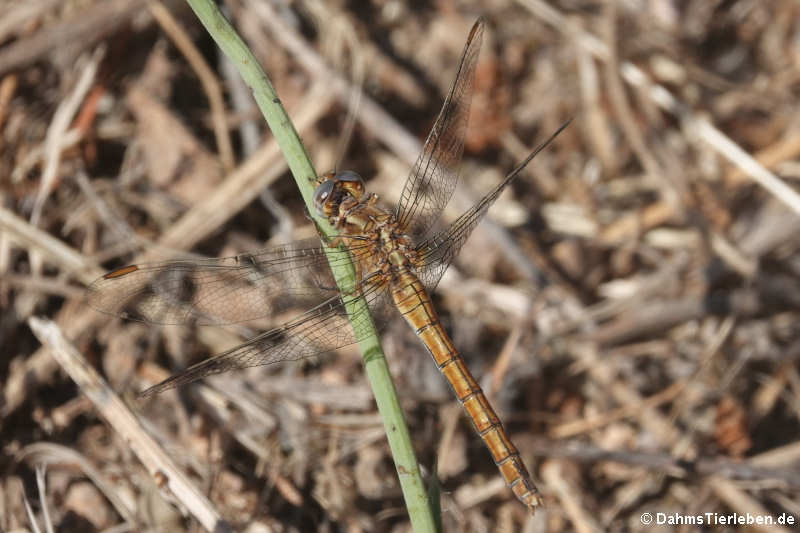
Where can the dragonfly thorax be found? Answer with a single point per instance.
(382, 245)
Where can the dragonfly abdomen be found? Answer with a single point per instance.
(414, 303)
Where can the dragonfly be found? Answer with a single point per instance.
(398, 258)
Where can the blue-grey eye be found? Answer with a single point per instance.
(321, 196)
(348, 176)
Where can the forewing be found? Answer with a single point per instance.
(434, 175)
(221, 290)
(321, 329)
(437, 252)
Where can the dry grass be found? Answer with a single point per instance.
(631, 307)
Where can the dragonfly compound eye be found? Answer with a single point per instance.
(322, 198)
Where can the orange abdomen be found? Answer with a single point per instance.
(414, 303)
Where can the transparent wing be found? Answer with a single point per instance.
(245, 287)
(321, 329)
(434, 176)
(222, 290)
(438, 251)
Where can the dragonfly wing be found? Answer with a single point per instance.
(437, 252)
(321, 329)
(221, 290)
(434, 176)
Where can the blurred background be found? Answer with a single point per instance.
(629, 305)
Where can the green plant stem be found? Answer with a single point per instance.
(376, 368)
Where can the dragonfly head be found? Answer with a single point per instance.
(334, 188)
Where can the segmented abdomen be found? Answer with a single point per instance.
(414, 303)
